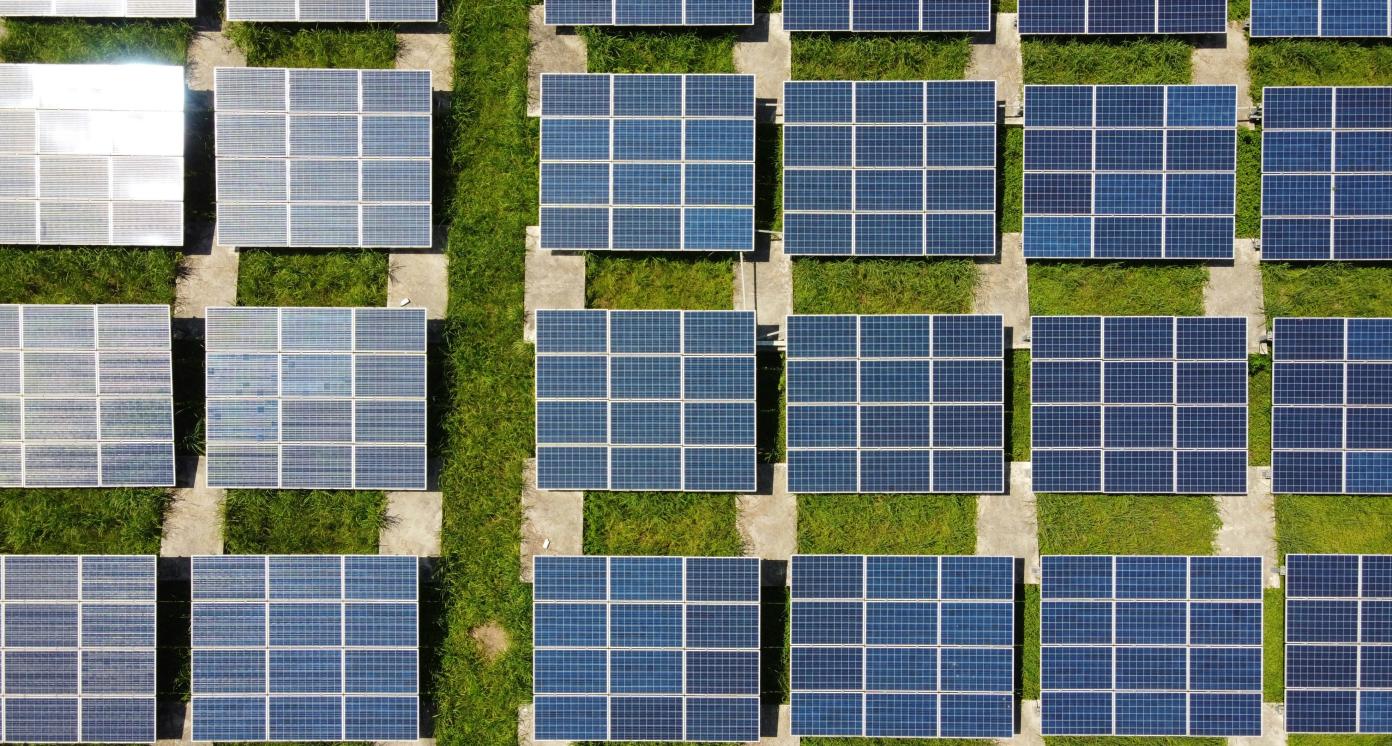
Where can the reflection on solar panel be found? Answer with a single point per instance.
(1151, 646)
(92, 154)
(1338, 626)
(99, 8)
(645, 400)
(320, 648)
(1123, 16)
(310, 158)
(647, 162)
(903, 646)
(1139, 404)
(650, 13)
(1130, 172)
(887, 15)
(86, 397)
(1316, 18)
(331, 10)
(902, 168)
(895, 404)
(646, 648)
(316, 398)
(1327, 173)
(1331, 418)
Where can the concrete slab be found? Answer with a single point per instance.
(555, 49)
(208, 50)
(1008, 524)
(1030, 731)
(207, 277)
(1236, 290)
(414, 520)
(427, 52)
(552, 281)
(767, 522)
(552, 522)
(1273, 728)
(193, 523)
(764, 283)
(1222, 59)
(1003, 287)
(419, 279)
(1249, 523)
(776, 728)
(765, 51)
(996, 57)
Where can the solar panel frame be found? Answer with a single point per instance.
(862, 16)
(338, 11)
(1285, 18)
(609, 13)
(1108, 17)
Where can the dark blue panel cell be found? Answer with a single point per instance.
(1369, 427)
(1211, 383)
(233, 718)
(826, 669)
(570, 579)
(977, 715)
(1308, 383)
(821, 336)
(648, 95)
(901, 669)
(1377, 576)
(1375, 712)
(901, 715)
(720, 229)
(888, 101)
(1302, 472)
(1138, 471)
(1198, 238)
(1057, 238)
(901, 623)
(1152, 577)
(720, 95)
(722, 719)
(645, 579)
(572, 331)
(1225, 578)
(645, 671)
(647, 229)
(572, 468)
(815, 146)
(1369, 383)
(571, 718)
(308, 718)
(1362, 151)
(821, 426)
(967, 336)
(822, 471)
(1321, 712)
(1057, 194)
(1218, 623)
(1362, 195)
(645, 423)
(1138, 382)
(1211, 472)
(978, 578)
(1199, 194)
(1076, 668)
(1057, 106)
(959, 235)
(719, 424)
(827, 576)
(827, 714)
(722, 672)
(1201, 150)
(645, 626)
(1121, 17)
(1139, 427)
(965, 145)
(1077, 577)
(977, 623)
(896, 471)
(569, 625)
(579, 12)
(895, 336)
(1066, 336)
(1058, 150)
(1150, 623)
(1375, 667)
(968, 380)
(647, 140)
(1185, 17)
(889, 146)
(978, 670)
(722, 626)
(1066, 382)
(719, 470)
(914, 577)
(958, 190)
(968, 471)
(1309, 339)
(1211, 338)
(571, 377)
(1151, 713)
(1151, 668)
(1225, 714)
(1201, 106)
(1129, 105)
(575, 95)
(895, 427)
(647, 184)
(1321, 666)
(722, 579)
(1133, 238)
(1293, 152)
(1067, 471)
(574, 228)
(1297, 107)
(719, 377)
(959, 101)
(41, 720)
(889, 190)
(1128, 194)
(1225, 669)
(1368, 473)
(719, 184)
(645, 378)
(1370, 339)
(1076, 622)
(1066, 427)
(304, 671)
(889, 235)
(308, 624)
(574, 184)
(809, 101)
(1363, 238)
(1322, 575)
(1296, 239)
(645, 718)
(1307, 427)
(575, 140)
(970, 426)
(1362, 107)
(1076, 713)
(1130, 150)
(1211, 427)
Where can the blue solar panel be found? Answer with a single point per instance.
(646, 648)
(1151, 646)
(1143, 404)
(1123, 16)
(903, 646)
(1330, 18)
(889, 168)
(895, 404)
(1327, 174)
(650, 13)
(1130, 172)
(647, 162)
(304, 648)
(887, 15)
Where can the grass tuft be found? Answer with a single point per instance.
(613, 50)
(1012, 178)
(661, 523)
(1248, 183)
(1282, 62)
(302, 522)
(1116, 288)
(100, 274)
(1018, 405)
(825, 56)
(1259, 410)
(1274, 643)
(1127, 524)
(1119, 60)
(883, 285)
(71, 41)
(1326, 289)
(1028, 654)
(319, 277)
(886, 524)
(269, 45)
(1333, 524)
(620, 281)
(72, 521)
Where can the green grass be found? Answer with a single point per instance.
(1127, 524)
(1116, 288)
(1239, 10)
(612, 50)
(886, 524)
(65, 40)
(339, 277)
(661, 523)
(1120, 60)
(271, 45)
(302, 522)
(659, 281)
(880, 57)
(1012, 177)
(1333, 524)
(1274, 645)
(1018, 405)
(1147, 741)
(1301, 739)
(1248, 183)
(883, 285)
(1259, 410)
(71, 521)
(829, 741)
(1281, 62)
(1028, 655)
(87, 275)
(1326, 289)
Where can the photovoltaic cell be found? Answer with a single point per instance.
(901, 168)
(323, 158)
(646, 648)
(316, 398)
(1139, 404)
(1345, 18)
(384, 11)
(1123, 17)
(1151, 646)
(319, 648)
(91, 155)
(645, 400)
(644, 13)
(887, 15)
(1327, 174)
(895, 404)
(1130, 172)
(647, 162)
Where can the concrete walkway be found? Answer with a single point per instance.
(552, 52)
(209, 50)
(553, 522)
(767, 523)
(765, 51)
(1003, 288)
(552, 281)
(193, 523)
(419, 279)
(1249, 524)
(1222, 60)
(427, 52)
(207, 277)
(764, 283)
(1008, 525)
(996, 56)
(1273, 728)
(414, 521)
(1031, 732)
(1236, 290)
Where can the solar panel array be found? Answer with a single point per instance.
(1327, 173)
(903, 646)
(647, 162)
(1151, 646)
(645, 400)
(1139, 404)
(1331, 417)
(887, 15)
(313, 648)
(332, 10)
(646, 648)
(86, 396)
(99, 8)
(646, 13)
(1338, 643)
(1123, 16)
(1365, 18)
(79, 649)
(323, 158)
(316, 398)
(1130, 171)
(898, 168)
(92, 154)
(895, 404)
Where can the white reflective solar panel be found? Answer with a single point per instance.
(100, 8)
(332, 10)
(91, 154)
(316, 398)
(323, 158)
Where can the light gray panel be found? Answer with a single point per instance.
(324, 135)
(260, 135)
(395, 135)
(247, 420)
(316, 181)
(133, 373)
(260, 10)
(243, 466)
(11, 465)
(324, 90)
(75, 223)
(16, 87)
(248, 88)
(321, 329)
(60, 465)
(133, 326)
(397, 225)
(324, 225)
(60, 419)
(17, 131)
(252, 225)
(317, 421)
(390, 421)
(396, 181)
(147, 223)
(332, 10)
(73, 133)
(148, 178)
(396, 90)
(18, 222)
(60, 327)
(258, 179)
(89, 7)
(19, 8)
(390, 329)
(253, 329)
(391, 467)
(9, 326)
(60, 373)
(19, 176)
(137, 464)
(401, 10)
(389, 375)
(324, 467)
(146, 132)
(9, 372)
(242, 374)
(74, 177)
(136, 419)
(161, 8)
(316, 375)
(10, 419)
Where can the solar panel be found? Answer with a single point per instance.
(323, 158)
(887, 15)
(1151, 646)
(900, 646)
(99, 8)
(909, 403)
(889, 168)
(92, 155)
(647, 162)
(310, 648)
(1327, 174)
(1366, 18)
(316, 398)
(1338, 628)
(1130, 171)
(647, 13)
(331, 10)
(1331, 418)
(645, 400)
(646, 648)
(1123, 16)
(1139, 404)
